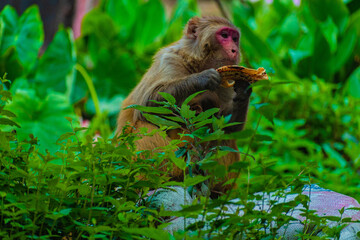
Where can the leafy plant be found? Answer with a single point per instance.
(302, 127)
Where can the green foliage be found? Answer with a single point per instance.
(42, 86)
(21, 39)
(99, 189)
(303, 124)
(315, 116)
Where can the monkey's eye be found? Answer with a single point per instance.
(235, 39)
(224, 34)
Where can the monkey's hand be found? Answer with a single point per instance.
(208, 79)
(243, 90)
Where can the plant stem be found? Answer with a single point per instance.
(91, 87)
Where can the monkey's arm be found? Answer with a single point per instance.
(240, 105)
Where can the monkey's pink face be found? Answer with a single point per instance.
(229, 40)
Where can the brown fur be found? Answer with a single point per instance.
(174, 70)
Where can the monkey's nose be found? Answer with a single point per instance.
(233, 50)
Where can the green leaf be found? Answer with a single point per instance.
(330, 32)
(192, 208)
(205, 115)
(263, 138)
(174, 118)
(151, 26)
(179, 162)
(345, 50)
(335, 9)
(217, 135)
(58, 162)
(152, 233)
(334, 154)
(43, 117)
(186, 112)
(65, 211)
(191, 181)
(129, 13)
(159, 121)
(185, 108)
(6, 121)
(7, 113)
(267, 110)
(25, 34)
(353, 83)
(201, 132)
(168, 97)
(189, 98)
(227, 149)
(65, 136)
(157, 110)
(57, 64)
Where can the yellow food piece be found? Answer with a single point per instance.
(232, 73)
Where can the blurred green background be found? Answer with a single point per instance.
(313, 121)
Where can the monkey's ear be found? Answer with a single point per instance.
(192, 28)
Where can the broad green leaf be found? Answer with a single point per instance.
(353, 83)
(127, 18)
(290, 29)
(42, 117)
(25, 34)
(191, 181)
(151, 26)
(57, 63)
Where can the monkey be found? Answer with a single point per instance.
(188, 66)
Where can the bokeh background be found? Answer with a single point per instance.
(81, 58)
